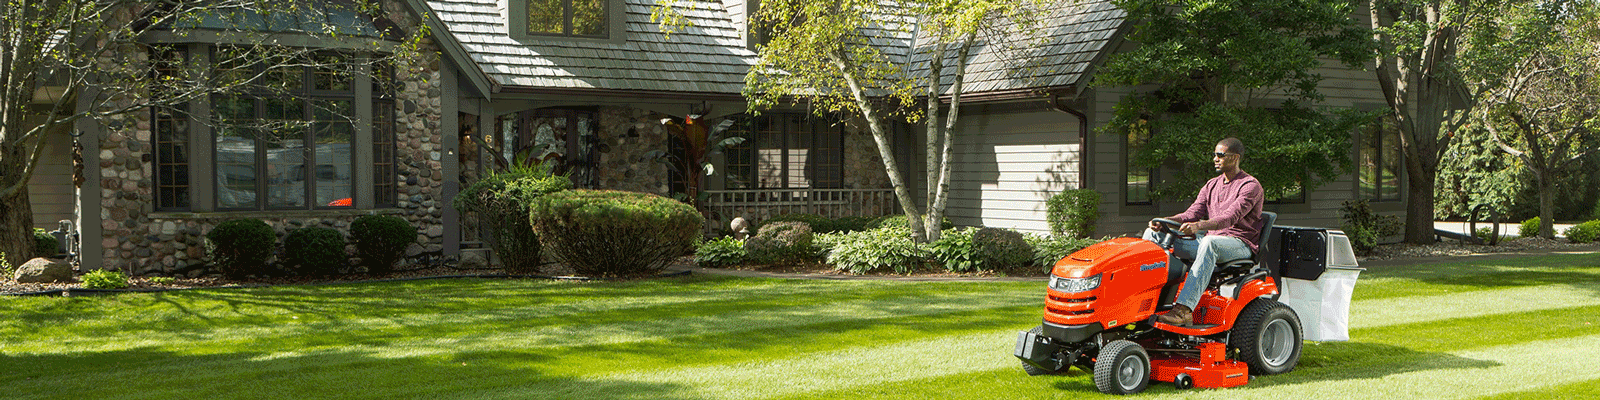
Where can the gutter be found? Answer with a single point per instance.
(1083, 138)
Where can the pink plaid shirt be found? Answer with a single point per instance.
(1229, 207)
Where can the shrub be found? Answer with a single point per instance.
(817, 223)
(899, 221)
(1002, 249)
(162, 280)
(719, 252)
(1364, 227)
(875, 249)
(1485, 234)
(851, 224)
(500, 203)
(1529, 228)
(1047, 250)
(381, 240)
(956, 251)
(1073, 212)
(45, 244)
(104, 279)
(1584, 232)
(784, 241)
(240, 247)
(611, 233)
(316, 250)
(5, 267)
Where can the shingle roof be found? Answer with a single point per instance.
(1059, 53)
(711, 57)
(708, 57)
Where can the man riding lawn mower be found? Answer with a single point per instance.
(1115, 308)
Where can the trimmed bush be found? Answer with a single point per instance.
(1073, 212)
(316, 250)
(45, 244)
(381, 241)
(1001, 249)
(1583, 233)
(877, 249)
(956, 250)
(899, 221)
(1529, 228)
(500, 202)
(607, 233)
(720, 252)
(781, 242)
(1047, 250)
(818, 223)
(1364, 227)
(241, 247)
(105, 279)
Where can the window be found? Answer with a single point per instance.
(1380, 161)
(171, 137)
(1137, 179)
(384, 174)
(585, 18)
(285, 141)
(786, 151)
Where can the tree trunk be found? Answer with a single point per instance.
(16, 228)
(1419, 209)
(881, 137)
(1547, 208)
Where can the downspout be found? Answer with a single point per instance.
(1083, 138)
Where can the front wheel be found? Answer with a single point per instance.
(1122, 368)
(1268, 337)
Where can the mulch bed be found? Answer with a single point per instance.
(1384, 252)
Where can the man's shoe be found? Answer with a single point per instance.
(1178, 316)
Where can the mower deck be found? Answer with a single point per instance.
(1212, 370)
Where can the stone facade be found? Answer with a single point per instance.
(138, 240)
(628, 134)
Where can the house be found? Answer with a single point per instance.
(586, 85)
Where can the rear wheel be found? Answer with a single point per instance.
(1122, 368)
(1268, 337)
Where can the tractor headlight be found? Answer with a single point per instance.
(1074, 285)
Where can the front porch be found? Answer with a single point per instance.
(722, 206)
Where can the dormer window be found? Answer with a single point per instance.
(567, 17)
(576, 19)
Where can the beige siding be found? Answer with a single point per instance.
(51, 187)
(1008, 161)
(1343, 87)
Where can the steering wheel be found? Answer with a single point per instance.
(1171, 227)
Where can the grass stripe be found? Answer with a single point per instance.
(1542, 366)
(1406, 310)
(1434, 279)
(947, 355)
(619, 318)
(1580, 390)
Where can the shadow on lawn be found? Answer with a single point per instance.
(147, 373)
(1355, 360)
(1330, 362)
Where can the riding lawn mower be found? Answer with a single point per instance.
(1102, 301)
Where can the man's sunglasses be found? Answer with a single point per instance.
(1221, 155)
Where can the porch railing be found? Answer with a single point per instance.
(757, 204)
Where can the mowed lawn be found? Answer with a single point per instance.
(1510, 328)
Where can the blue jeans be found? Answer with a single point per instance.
(1206, 251)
